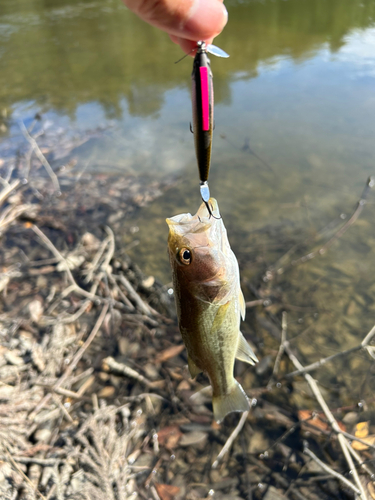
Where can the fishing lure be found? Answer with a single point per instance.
(203, 111)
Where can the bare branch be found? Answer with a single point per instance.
(109, 364)
(42, 158)
(330, 471)
(281, 348)
(75, 360)
(231, 439)
(323, 361)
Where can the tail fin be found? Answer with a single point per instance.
(236, 400)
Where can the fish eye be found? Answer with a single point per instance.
(184, 256)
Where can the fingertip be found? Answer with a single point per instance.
(187, 46)
(207, 19)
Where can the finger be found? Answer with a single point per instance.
(174, 39)
(190, 19)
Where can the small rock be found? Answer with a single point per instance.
(90, 241)
(78, 480)
(151, 372)
(42, 435)
(193, 438)
(273, 494)
(106, 392)
(41, 282)
(104, 376)
(13, 358)
(123, 345)
(38, 357)
(350, 418)
(15, 199)
(35, 310)
(148, 282)
(258, 443)
(6, 391)
(5, 471)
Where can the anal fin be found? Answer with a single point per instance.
(193, 369)
(244, 351)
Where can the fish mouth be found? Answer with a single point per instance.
(186, 223)
(203, 212)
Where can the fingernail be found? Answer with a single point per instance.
(225, 12)
(207, 19)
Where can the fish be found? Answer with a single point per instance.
(202, 98)
(210, 304)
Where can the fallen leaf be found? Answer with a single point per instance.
(312, 420)
(370, 440)
(169, 436)
(361, 430)
(169, 353)
(167, 491)
(317, 421)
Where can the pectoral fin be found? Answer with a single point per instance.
(244, 351)
(193, 369)
(220, 317)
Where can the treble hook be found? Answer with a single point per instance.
(210, 210)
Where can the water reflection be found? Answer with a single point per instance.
(62, 54)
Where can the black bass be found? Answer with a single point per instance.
(209, 303)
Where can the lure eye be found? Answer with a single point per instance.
(185, 256)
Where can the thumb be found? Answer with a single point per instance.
(188, 19)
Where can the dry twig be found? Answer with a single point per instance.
(231, 439)
(313, 366)
(110, 364)
(331, 419)
(330, 471)
(74, 362)
(41, 157)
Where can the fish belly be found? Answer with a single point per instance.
(211, 341)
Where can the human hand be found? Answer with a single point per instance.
(186, 21)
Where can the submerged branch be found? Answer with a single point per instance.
(42, 158)
(313, 366)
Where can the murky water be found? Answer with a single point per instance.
(293, 143)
